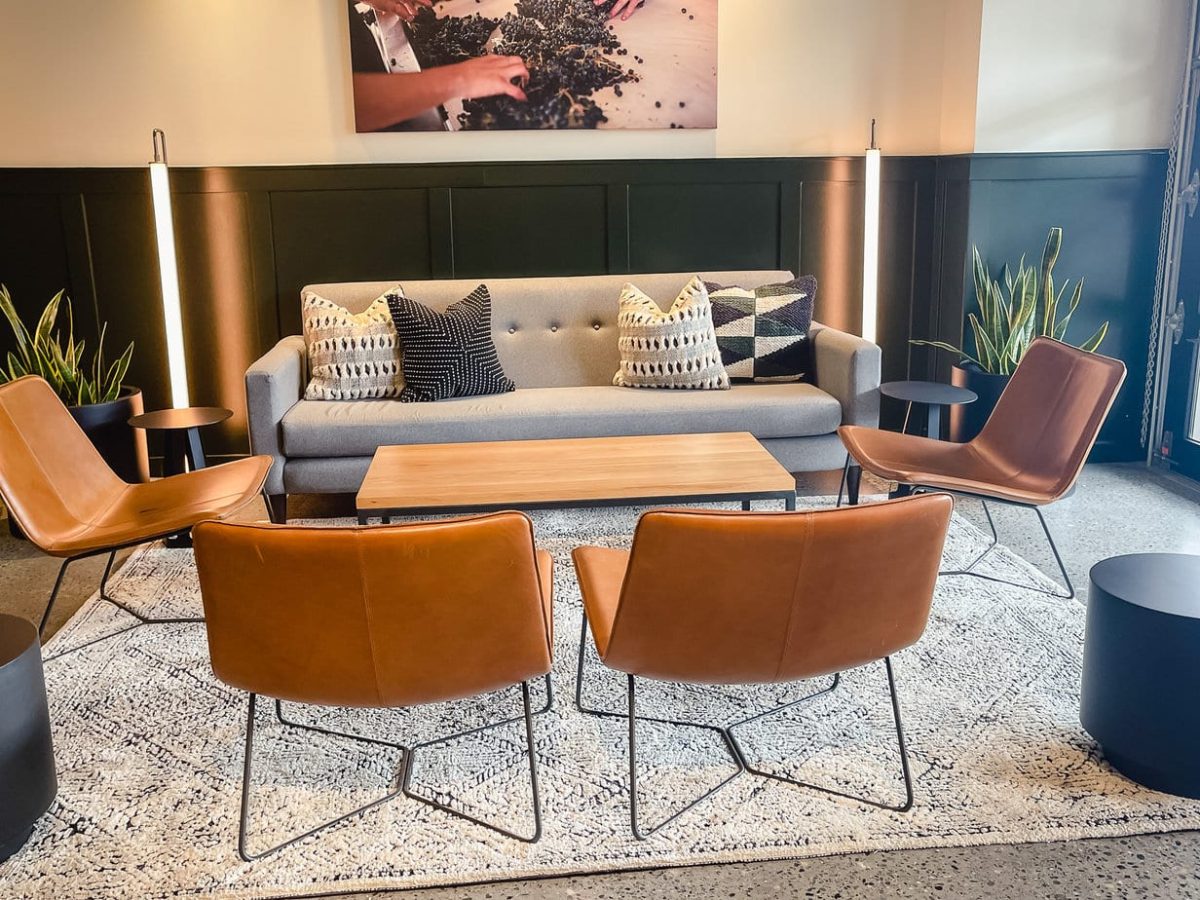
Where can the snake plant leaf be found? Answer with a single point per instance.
(1093, 343)
(77, 375)
(950, 348)
(115, 376)
(1060, 329)
(989, 353)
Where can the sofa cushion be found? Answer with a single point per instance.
(358, 427)
(351, 356)
(673, 348)
(763, 331)
(448, 354)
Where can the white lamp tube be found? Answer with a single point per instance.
(870, 281)
(164, 226)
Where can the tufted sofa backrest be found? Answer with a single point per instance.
(549, 332)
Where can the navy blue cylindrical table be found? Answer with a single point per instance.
(27, 780)
(1141, 668)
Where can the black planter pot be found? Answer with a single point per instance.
(107, 427)
(966, 420)
(27, 779)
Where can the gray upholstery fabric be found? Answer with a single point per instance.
(558, 332)
(344, 475)
(357, 427)
(549, 332)
(848, 367)
(274, 384)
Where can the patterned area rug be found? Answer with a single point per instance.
(150, 756)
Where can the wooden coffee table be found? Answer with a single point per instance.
(428, 479)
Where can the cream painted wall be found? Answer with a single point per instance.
(1079, 74)
(238, 82)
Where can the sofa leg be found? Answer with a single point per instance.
(853, 481)
(276, 508)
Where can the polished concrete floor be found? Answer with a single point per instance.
(1116, 509)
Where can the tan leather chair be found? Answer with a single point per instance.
(733, 597)
(71, 505)
(1030, 451)
(383, 616)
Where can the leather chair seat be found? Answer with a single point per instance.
(1033, 445)
(144, 511)
(911, 459)
(601, 573)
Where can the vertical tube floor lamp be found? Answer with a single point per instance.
(164, 227)
(870, 281)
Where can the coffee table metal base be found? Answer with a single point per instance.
(386, 515)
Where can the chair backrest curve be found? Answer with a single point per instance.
(730, 598)
(384, 616)
(1050, 414)
(54, 482)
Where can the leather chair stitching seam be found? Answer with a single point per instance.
(801, 567)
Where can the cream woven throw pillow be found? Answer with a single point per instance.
(351, 356)
(673, 349)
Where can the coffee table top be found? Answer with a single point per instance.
(571, 472)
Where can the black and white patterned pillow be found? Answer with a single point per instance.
(763, 331)
(448, 354)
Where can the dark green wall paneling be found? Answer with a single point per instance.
(346, 235)
(1109, 205)
(511, 231)
(679, 227)
(249, 238)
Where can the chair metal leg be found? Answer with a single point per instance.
(62, 572)
(1066, 579)
(247, 779)
(528, 714)
(107, 598)
(642, 833)
(908, 788)
(143, 620)
(851, 482)
(731, 742)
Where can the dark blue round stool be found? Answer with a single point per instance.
(1141, 668)
(27, 780)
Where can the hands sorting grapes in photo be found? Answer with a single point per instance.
(405, 9)
(490, 76)
(622, 8)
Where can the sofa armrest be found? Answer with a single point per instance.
(274, 383)
(848, 367)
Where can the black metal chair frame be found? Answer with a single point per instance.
(969, 570)
(737, 753)
(404, 778)
(107, 597)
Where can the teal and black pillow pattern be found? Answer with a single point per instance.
(763, 331)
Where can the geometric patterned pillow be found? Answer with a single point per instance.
(672, 349)
(351, 356)
(448, 354)
(763, 333)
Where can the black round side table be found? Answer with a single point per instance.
(181, 433)
(1141, 668)
(932, 395)
(27, 780)
(181, 443)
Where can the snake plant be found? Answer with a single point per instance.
(77, 380)
(1026, 307)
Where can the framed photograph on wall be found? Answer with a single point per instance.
(482, 65)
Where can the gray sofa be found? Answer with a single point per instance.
(557, 339)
